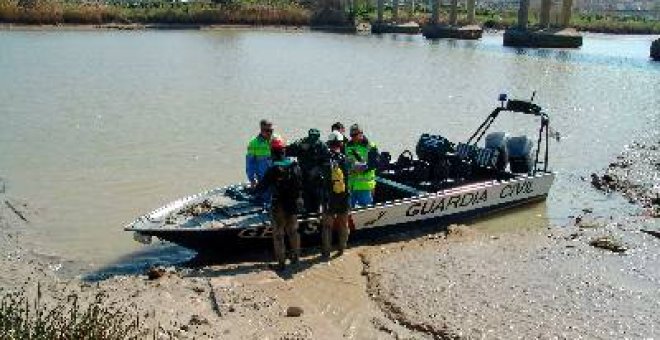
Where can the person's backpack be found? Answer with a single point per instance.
(288, 181)
(337, 178)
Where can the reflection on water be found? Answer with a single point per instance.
(100, 127)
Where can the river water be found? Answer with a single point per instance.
(97, 128)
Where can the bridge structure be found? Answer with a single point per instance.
(543, 35)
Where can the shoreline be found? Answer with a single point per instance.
(145, 27)
(239, 27)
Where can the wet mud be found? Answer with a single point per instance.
(531, 285)
(597, 277)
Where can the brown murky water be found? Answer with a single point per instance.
(100, 127)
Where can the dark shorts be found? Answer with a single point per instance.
(337, 204)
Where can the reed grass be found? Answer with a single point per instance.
(24, 319)
(53, 12)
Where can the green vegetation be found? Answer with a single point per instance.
(273, 12)
(22, 319)
(612, 24)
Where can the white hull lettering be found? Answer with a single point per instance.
(441, 204)
(516, 189)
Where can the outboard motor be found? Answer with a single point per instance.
(431, 148)
(520, 154)
(498, 141)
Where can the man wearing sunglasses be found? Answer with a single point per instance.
(258, 157)
(362, 156)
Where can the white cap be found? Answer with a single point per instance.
(335, 136)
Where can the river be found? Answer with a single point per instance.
(99, 127)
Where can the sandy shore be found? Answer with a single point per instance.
(463, 283)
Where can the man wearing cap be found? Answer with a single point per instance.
(362, 156)
(336, 203)
(284, 180)
(312, 156)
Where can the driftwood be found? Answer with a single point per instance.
(16, 211)
(652, 233)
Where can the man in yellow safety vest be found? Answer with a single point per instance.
(362, 156)
(258, 157)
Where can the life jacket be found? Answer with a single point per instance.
(337, 177)
(259, 147)
(357, 154)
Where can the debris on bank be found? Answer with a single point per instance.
(16, 211)
(608, 243)
(294, 311)
(635, 175)
(652, 232)
(155, 273)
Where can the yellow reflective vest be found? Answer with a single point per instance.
(259, 147)
(358, 157)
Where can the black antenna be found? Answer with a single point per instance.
(533, 95)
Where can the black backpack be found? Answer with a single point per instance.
(288, 181)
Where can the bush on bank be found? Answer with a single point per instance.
(24, 319)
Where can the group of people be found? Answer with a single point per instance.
(326, 178)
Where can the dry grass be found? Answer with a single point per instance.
(21, 318)
(52, 12)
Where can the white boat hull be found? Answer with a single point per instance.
(214, 233)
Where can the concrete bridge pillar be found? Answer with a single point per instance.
(470, 11)
(453, 14)
(435, 11)
(395, 10)
(380, 11)
(523, 15)
(546, 7)
(566, 9)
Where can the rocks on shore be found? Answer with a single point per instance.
(608, 243)
(294, 311)
(155, 273)
(632, 175)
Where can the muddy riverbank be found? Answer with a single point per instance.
(596, 277)
(465, 282)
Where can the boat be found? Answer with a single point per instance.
(444, 183)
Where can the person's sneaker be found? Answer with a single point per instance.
(325, 255)
(340, 252)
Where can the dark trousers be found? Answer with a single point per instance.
(284, 225)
